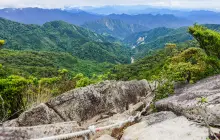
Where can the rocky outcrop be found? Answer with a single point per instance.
(84, 103)
(185, 101)
(112, 102)
(177, 128)
(105, 137)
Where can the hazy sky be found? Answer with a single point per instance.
(199, 4)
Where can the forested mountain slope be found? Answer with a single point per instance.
(144, 43)
(116, 28)
(147, 36)
(59, 36)
(47, 64)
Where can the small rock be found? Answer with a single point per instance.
(137, 107)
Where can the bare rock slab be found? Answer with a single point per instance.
(186, 101)
(105, 137)
(178, 128)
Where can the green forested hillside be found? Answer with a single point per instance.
(214, 27)
(116, 28)
(47, 64)
(59, 36)
(148, 36)
(144, 43)
(177, 36)
(141, 69)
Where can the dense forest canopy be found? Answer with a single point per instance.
(47, 64)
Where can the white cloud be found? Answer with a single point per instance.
(199, 4)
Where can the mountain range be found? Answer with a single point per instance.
(96, 45)
(153, 21)
(129, 9)
(59, 36)
(199, 16)
(40, 16)
(114, 27)
(77, 17)
(119, 22)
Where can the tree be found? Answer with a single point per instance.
(170, 48)
(2, 42)
(11, 91)
(64, 73)
(188, 66)
(209, 40)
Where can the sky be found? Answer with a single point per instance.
(185, 4)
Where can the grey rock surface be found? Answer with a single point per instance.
(133, 131)
(178, 128)
(157, 117)
(186, 101)
(40, 131)
(84, 103)
(105, 137)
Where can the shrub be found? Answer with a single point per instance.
(11, 90)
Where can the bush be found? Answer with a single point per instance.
(11, 90)
(164, 90)
(2, 42)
